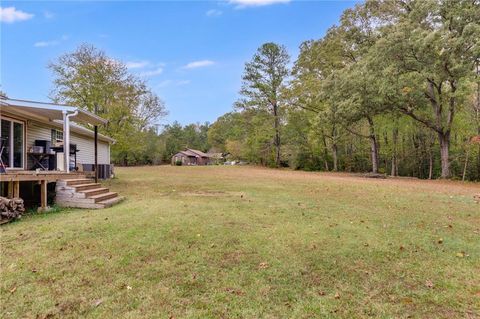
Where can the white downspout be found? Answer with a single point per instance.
(66, 139)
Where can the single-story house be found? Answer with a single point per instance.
(190, 157)
(32, 140)
(32, 137)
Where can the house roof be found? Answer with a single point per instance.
(199, 153)
(193, 153)
(49, 111)
(53, 114)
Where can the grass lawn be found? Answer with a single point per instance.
(243, 242)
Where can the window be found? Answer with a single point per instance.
(57, 136)
(12, 143)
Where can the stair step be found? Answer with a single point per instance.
(94, 191)
(103, 197)
(76, 181)
(84, 187)
(111, 201)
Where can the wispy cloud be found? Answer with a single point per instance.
(43, 44)
(198, 64)
(255, 3)
(137, 64)
(151, 73)
(11, 15)
(213, 13)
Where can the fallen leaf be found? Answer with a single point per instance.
(321, 293)
(263, 265)
(337, 295)
(461, 254)
(365, 244)
(440, 241)
(429, 284)
(13, 289)
(129, 288)
(98, 302)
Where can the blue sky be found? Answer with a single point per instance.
(191, 53)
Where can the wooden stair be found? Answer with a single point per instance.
(83, 193)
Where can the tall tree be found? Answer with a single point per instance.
(88, 78)
(429, 51)
(263, 79)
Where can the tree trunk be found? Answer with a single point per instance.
(466, 165)
(373, 146)
(276, 141)
(430, 164)
(325, 151)
(335, 156)
(394, 171)
(444, 153)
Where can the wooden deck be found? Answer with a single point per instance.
(13, 178)
(29, 176)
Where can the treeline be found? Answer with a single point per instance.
(394, 88)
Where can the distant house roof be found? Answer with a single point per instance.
(193, 153)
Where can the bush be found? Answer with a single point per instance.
(178, 163)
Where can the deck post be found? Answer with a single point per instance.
(43, 196)
(10, 190)
(16, 189)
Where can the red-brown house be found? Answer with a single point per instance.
(190, 157)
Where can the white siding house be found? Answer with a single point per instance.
(24, 123)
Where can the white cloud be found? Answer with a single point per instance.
(151, 73)
(255, 3)
(137, 64)
(198, 64)
(213, 13)
(43, 44)
(11, 15)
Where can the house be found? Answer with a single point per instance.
(190, 157)
(32, 139)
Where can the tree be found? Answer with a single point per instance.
(263, 79)
(429, 50)
(89, 79)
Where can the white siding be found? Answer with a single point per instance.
(36, 131)
(86, 155)
(86, 147)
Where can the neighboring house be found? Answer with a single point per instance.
(190, 157)
(26, 125)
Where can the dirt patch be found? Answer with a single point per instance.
(213, 194)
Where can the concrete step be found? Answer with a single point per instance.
(112, 201)
(103, 197)
(94, 191)
(84, 187)
(76, 181)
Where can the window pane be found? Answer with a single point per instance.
(5, 142)
(17, 144)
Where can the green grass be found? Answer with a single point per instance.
(242, 242)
